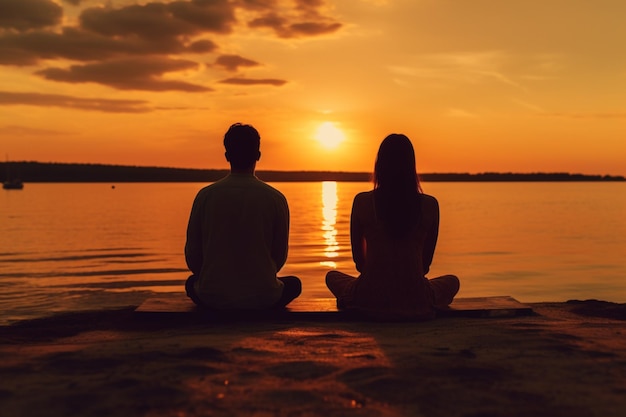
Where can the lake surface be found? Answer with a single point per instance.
(66, 247)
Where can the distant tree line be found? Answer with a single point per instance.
(522, 177)
(29, 171)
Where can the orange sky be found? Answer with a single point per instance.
(481, 85)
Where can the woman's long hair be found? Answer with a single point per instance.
(396, 186)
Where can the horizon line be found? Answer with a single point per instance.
(9, 162)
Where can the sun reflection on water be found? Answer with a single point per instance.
(329, 218)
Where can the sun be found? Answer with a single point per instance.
(329, 136)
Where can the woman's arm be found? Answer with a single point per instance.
(430, 211)
(357, 238)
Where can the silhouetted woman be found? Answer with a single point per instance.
(393, 231)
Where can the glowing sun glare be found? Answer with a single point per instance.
(329, 135)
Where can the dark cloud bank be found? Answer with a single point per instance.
(132, 47)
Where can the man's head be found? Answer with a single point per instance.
(242, 143)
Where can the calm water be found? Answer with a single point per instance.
(89, 246)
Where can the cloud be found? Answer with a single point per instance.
(470, 67)
(79, 45)
(313, 28)
(233, 62)
(56, 100)
(460, 113)
(284, 28)
(253, 81)
(528, 105)
(257, 4)
(104, 33)
(24, 15)
(131, 46)
(151, 28)
(15, 130)
(269, 20)
(376, 2)
(311, 8)
(157, 20)
(161, 20)
(202, 46)
(592, 116)
(308, 18)
(128, 74)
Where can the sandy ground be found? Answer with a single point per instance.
(569, 359)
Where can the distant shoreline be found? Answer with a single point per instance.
(30, 171)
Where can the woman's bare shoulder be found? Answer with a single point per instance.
(363, 203)
(364, 196)
(429, 201)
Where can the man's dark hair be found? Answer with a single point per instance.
(242, 143)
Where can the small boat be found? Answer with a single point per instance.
(10, 182)
(13, 184)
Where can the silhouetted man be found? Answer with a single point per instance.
(237, 236)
